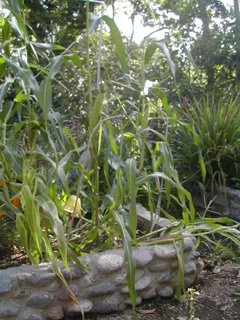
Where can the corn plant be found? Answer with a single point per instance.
(106, 171)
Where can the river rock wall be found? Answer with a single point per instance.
(35, 293)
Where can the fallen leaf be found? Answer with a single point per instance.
(224, 308)
(146, 311)
(217, 269)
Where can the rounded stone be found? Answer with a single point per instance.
(143, 283)
(55, 313)
(41, 279)
(109, 263)
(165, 252)
(107, 305)
(159, 266)
(190, 267)
(188, 244)
(64, 294)
(8, 309)
(165, 277)
(103, 288)
(75, 273)
(31, 317)
(54, 286)
(189, 280)
(40, 301)
(166, 292)
(5, 283)
(138, 301)
(142, 257)
(76, 309)
(121, 279)
(21, 293)
(150, 294)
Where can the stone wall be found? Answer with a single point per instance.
(35, 293)
(224, 200)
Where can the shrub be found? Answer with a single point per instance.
(207, 141)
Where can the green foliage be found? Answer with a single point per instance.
(206, 141)
(110, 163)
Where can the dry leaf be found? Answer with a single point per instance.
(146, 311)
(224, 308)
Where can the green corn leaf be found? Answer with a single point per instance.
(68, 133)
(99, 138)
(180, 277)
(3, 91)
(145, 119)
(50, 210)
(21, 97)
(41, 45)
(129, 261)
(152, 47)
(116, 39)
(6, 33)
(202, 167)
(55, 66)
(13, 158)
(113, 144)
(32, 217)
(25, 74)
(95, 114)
(166, 52)
(131, 170)
(45, 96)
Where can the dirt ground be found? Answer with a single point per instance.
(216, 295)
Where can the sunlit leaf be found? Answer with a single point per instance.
(116, 39)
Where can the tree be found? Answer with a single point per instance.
(237, 38)
(201, 30)
(58, 21)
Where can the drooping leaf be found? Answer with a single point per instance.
(55, 66)
(6, 33)
(45, 96)
(96, 112)
(152, 47)
(51, 212)
(3, 91)
(116, 39)
(129, 261)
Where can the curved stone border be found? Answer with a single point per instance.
(35, 293)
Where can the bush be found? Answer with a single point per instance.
(207, 140)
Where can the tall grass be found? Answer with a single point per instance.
(207, 141)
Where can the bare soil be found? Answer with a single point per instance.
(216, 295)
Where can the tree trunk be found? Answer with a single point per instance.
(206, 40)
(237, 39)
